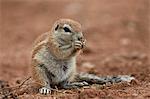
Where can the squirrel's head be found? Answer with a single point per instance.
(67, 31)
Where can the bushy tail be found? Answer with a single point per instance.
(93, 79)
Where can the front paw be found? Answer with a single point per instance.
(45, 90)
(74, 85)
(78, 45)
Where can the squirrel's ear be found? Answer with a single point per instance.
(56, 27)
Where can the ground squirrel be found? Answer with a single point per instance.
(54, 59)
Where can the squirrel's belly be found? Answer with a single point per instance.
(62, 74)
(56, 70)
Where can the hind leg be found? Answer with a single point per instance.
(72, 85)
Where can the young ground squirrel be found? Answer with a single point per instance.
(54, 59)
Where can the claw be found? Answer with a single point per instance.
(78, 45)
(45, 90)
(75, 85)
(85, 83)
(80, 84)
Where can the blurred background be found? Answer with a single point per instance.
(117, 34)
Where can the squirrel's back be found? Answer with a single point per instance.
(39, 42)
(41, 38)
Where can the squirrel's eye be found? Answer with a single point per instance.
(67, 29)
(56, 27)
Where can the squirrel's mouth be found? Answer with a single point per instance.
(69, 44)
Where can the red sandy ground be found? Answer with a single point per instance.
(117, 41)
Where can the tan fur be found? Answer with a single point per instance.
(75, 25)
(39, 42)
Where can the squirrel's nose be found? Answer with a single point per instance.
(83, 40)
